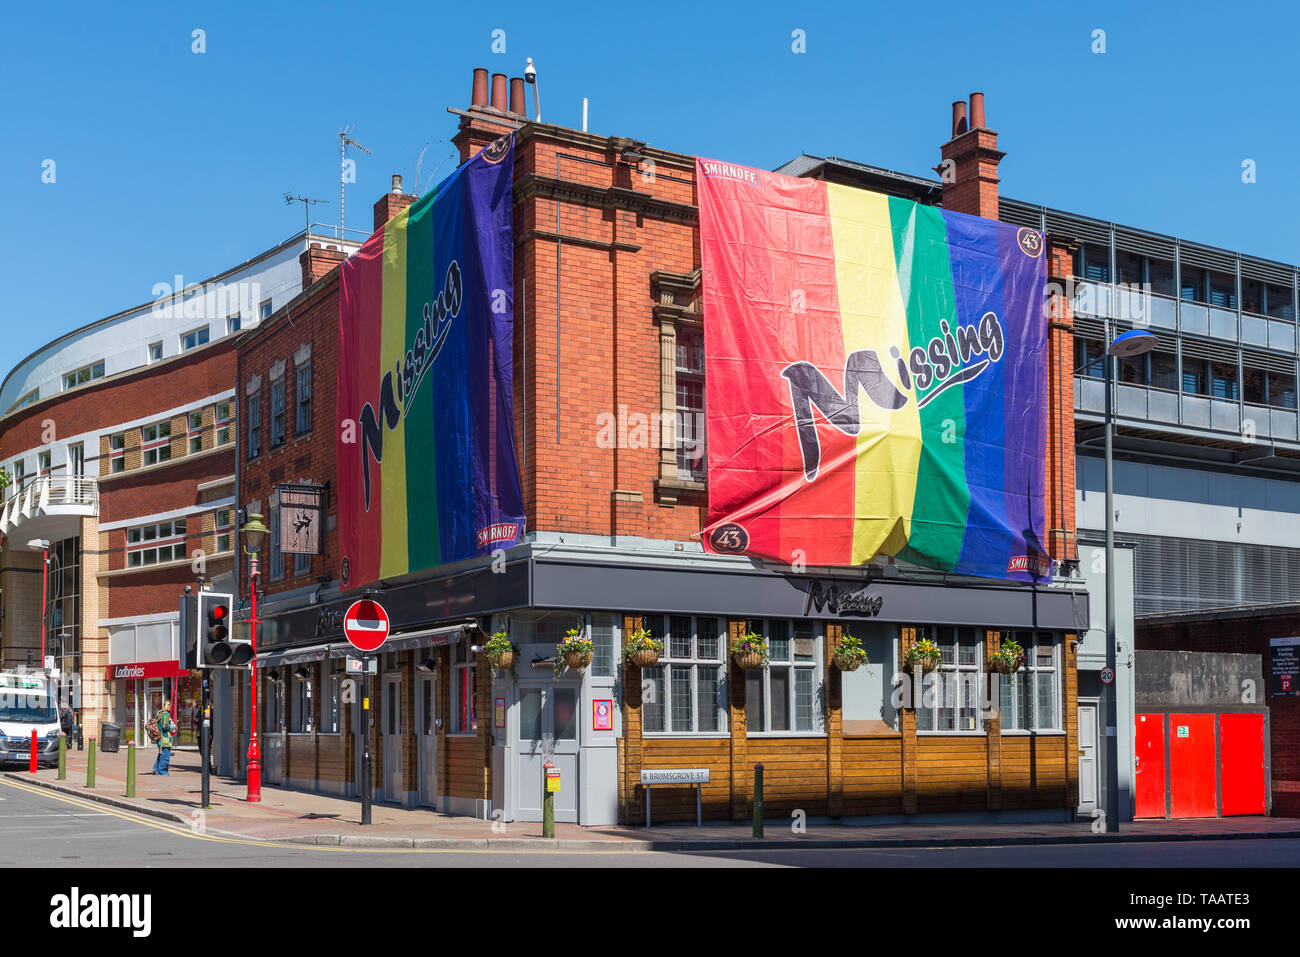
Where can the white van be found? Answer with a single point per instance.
(27, 704)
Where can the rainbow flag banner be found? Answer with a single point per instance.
(426, 458)
(875, 376)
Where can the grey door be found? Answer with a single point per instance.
(271, 743)
(392, 717)
(426, 738)
(548, 718)
(1087, 756)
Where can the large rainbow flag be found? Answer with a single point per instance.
(875, 375)
(426, 458)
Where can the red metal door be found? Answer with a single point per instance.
(1192, 787)
(1149, 792)
(1241, 763)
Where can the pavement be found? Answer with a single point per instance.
(302, 817)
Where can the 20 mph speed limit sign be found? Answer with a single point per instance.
(1107, 675)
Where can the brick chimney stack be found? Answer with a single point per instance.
(970, 162)
(317, 261)
(502, 99)
(392, 203)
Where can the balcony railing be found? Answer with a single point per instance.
(49, 495)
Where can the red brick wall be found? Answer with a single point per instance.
(1247, 636)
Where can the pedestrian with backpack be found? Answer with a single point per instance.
(165, 728)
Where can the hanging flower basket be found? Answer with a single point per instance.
(850, 655)
(640, 649)
(575, 651)
(750, 653)
(999, 665)
(924, 655)
(1007, 659)
(501, 653)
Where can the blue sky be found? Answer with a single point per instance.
(167, 161)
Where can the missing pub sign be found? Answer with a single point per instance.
(302, 517)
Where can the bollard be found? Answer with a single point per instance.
(32, 767)
(90, 765)
(548, 803)
(130, 770)
(63, 758)
(758, 800)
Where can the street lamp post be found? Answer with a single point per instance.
(254, 535)
(1132, 343)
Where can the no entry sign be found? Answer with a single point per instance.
(366, 625)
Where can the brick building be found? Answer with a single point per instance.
(608, 327)
(119, 437)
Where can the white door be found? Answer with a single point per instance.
(426, 740)
(548, 718)
(1087, 756)
(392, 732)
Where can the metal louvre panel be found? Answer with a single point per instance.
(1267, 360)
(1268, 271)
(1207, 257)
(1020, 214)
(1198, 348)
(1089, 328)
(1145, 244)
(1183, 574)
(1081, 229)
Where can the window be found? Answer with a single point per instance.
(1223, 380)
(690, 405)
(83, 375)
(233, 323)
(195, 433)
(223, 529)
(1096, 263)
(1163, 368)
(20, 472)
(28, 399)
(786, 696)
(154, 544)
(117, 452)
(950, 695)
(77, 460)
(264, 310)
(277, 556)
(254, 426)
(1089, 358)
(1193, 283)
(686, 687)
(1030, 699)
(43, 463)
(1281, 390)
(300, 702)
(1160, 275)
(330, 706)
(464, 690)
(868, 693)
(194, 338)
(1223, 290)
(277, 413)
(1252, 296)
(225, 418)
(155, 443)
(1128, 268)
(301, 565)
(1194, 377)
(302, 399)
(155, 351)
(1279, 304)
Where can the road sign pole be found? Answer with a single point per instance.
(365, 742)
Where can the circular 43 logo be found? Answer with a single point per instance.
(729, 538)
(1031, 242)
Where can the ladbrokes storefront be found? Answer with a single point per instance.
(139, 689)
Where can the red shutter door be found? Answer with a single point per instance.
(1192, 788)
(1241, 763)
(1150, 787)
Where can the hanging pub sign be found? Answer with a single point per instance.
(302, 519)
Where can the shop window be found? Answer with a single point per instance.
(464, 688)
(786, 697)
(331, 706)
(273, 706)
(155, 443)
(950, 695)
(254, 426)
(155, 544)
(117, 452)
(690, 406)
(683, 694)
(300, 708)
(277, 413)
(868, 693)
(1279, 304)
(1030, 699)
(302, 399)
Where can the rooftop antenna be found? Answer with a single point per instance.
(530, 77)
(346, 140)
(307, 204)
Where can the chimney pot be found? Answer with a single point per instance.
(499, 92)
(397, 182)
(479, 94)
(517, 96)
(977, 111)
(958, 118)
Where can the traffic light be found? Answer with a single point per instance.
(216, 646)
